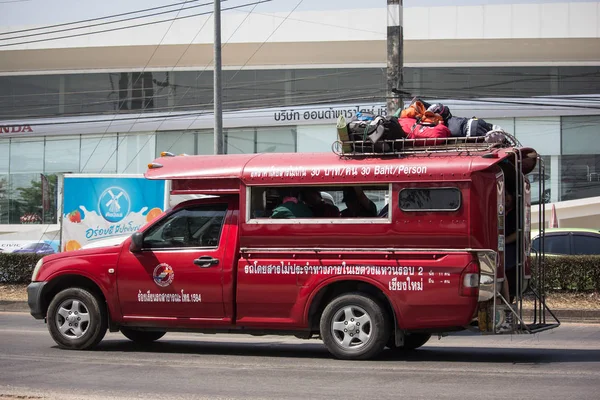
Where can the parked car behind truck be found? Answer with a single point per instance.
(568, 241)
(433, 263)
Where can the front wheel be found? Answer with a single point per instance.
(140, 336)
(77, 319)
(354, 327)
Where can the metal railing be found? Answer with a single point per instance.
(425, 146)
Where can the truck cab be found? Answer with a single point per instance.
(429, 259)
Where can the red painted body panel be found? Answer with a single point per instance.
(316, 168)
(417, 284)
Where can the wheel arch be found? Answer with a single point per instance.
(66, 281)
(328, 290)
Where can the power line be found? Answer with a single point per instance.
(180, 58)
(133, 26)
(110, 22)
(146, 66)
(266, 40)
(156, 48)
(314, 104)
(234, 32)
(99, 18)
(275, 98)
(206, 67)
(338, 73)
(265, 93)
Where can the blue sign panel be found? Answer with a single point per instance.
(98, 208)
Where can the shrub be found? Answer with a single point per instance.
(17, 267)
(571, 273)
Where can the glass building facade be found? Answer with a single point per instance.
(32, 96)
(29, 166)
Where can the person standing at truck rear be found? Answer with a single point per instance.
(358, 204)
(291, 206)
(510, 248)
(510, 258)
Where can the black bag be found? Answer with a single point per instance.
(359, 128)
(369, 136)
(457, 126)
(477, 127)
(468, 127)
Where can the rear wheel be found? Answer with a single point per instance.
(139, 336)
(77, 319)
(354, 327)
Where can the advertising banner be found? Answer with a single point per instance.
(104, 207)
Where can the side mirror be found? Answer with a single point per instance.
(137, 241)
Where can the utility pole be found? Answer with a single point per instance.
(395, 43)
(218, 89)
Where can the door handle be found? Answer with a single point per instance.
(206, 261)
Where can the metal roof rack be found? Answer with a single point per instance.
(463, 145)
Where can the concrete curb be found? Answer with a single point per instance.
(14, 306)
(581, 316)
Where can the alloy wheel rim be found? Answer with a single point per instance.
(72, 319)
(351, 327)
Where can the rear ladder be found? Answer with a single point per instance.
(542, 318)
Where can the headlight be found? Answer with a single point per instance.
(36, 270)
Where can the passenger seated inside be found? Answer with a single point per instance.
(291, 206)
(358, 204)
(319, 207)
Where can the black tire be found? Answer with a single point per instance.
(412, 341)
(77, 319)
(140, 336)
(347, 311)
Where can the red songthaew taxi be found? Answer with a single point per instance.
(363, 252)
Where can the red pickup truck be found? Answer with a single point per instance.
(423, 255)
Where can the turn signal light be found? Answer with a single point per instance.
(154, 165)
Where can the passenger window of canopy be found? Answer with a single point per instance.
(430, 199)
(321, 202)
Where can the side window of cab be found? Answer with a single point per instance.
(198, 226)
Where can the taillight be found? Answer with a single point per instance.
(469, 280)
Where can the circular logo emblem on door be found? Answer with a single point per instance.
(163, 275)
(114, 204)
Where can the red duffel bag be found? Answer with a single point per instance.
(417, 130)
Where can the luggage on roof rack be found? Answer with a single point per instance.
(465, 145)
(414, 146)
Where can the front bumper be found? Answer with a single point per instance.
(34, 299)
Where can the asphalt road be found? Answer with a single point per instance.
(560, 364)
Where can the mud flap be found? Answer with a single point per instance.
(399, 337)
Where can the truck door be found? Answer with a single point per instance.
(178, 272)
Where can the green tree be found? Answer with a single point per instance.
(29, 200)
